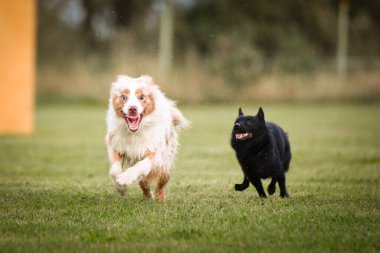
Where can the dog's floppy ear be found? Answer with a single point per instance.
(240, 112)
(260, 114)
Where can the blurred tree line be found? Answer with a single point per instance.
(239, 39)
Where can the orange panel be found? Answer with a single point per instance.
(17, 66)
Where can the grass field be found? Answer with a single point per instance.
(56, 196)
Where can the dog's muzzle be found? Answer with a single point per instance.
(237, 126)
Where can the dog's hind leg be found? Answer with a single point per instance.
(145, 187)
(162, 181)
(145, 183)
(242, 186)
(256, 181)
(281, 183)
(272, 186)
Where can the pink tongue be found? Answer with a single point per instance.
(133, 123)
(240, 136)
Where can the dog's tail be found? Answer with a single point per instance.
(179, 121)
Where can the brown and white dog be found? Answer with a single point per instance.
(142, 134)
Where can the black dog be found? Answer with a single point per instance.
(263, 150)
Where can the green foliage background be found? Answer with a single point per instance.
(266, 48)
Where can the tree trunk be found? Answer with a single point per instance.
(166, 36)
(342, 45)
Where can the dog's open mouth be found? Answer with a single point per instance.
(243, 136)
(133, 122)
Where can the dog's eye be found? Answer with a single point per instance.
(141, 97)
(123, 97)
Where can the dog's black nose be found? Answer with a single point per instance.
(237, 126)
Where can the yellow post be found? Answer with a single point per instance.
(17, 66)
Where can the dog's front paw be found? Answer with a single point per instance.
(122, 183)
(122, 189)
(124, 179)
(284, 195)
(240, 187)
(121, 186)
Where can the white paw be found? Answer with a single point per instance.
(125, 179)
(122, 189)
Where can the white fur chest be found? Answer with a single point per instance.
(136, 145)
(159, 138)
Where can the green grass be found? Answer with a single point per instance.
(56, 196)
